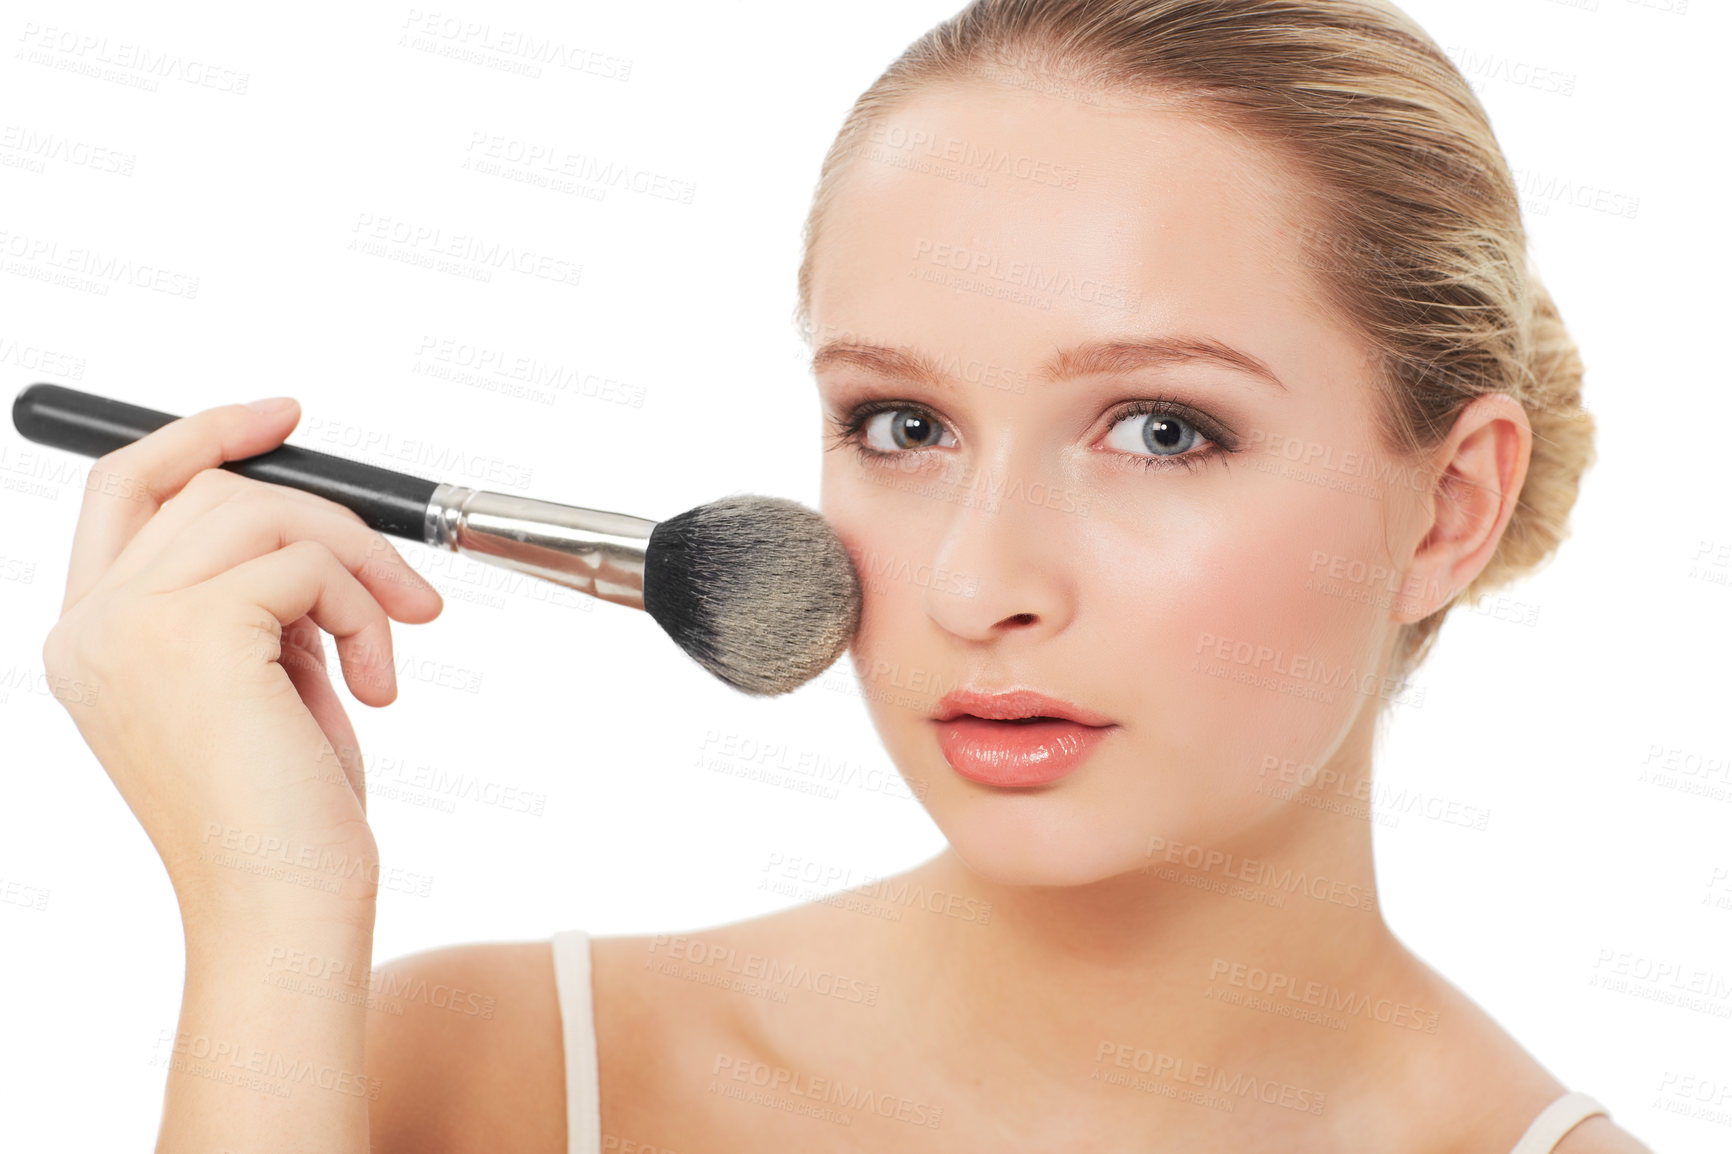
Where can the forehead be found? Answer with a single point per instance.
(980, 214)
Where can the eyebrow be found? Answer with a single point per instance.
(1081, 360)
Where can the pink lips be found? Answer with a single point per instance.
(981, 740)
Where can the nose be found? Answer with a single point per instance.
(1017, 569)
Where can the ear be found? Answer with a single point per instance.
(1480, 469)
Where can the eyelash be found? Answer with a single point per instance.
(1220, 443)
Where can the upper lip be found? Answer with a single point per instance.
(1012, 704)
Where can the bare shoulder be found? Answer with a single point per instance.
(1478, 1088)
(1599, 1135)
(467, 1047)
(650, 1026)
(678, 1018)
(668, 1007)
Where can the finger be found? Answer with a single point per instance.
(303, 659)
(304, 578)
(258, 521)
(126, 487)
(204, 491)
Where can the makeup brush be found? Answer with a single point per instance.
(758, 590)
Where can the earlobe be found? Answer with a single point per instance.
(1479, 473)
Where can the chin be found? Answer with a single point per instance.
(1049, 836)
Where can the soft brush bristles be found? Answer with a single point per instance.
(758, 590)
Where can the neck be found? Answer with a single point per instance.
(1268, 960)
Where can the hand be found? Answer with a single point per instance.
(191, 628)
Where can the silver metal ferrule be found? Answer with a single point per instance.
(585, 549)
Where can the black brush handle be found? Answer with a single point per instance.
(389, 501)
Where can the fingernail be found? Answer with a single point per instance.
(271, 404)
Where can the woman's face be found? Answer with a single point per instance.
(1214, 577)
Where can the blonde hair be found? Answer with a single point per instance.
(1423, 248)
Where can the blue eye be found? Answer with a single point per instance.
(904, 428)
(1160, 434)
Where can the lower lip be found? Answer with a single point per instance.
(1008, 753)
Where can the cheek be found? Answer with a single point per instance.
(900, 683)
(1237, 651)
(892, 539)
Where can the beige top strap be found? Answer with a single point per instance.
(571, 981)
(1555, 1121)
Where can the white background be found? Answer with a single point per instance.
(585, 710)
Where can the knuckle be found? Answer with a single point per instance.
(112, 474)
(68, 678)
(205, 489)
(254, 491)
(340, 510)
(57, 648)
(311, 551)
(211, 482)
(112, 461)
